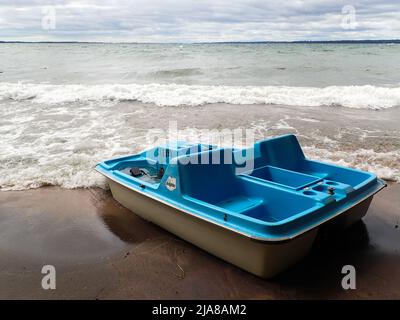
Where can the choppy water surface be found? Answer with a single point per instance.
(65, 107)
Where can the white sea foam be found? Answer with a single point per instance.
(58, 152)
(368, 97)
(383, 164)
(308, 120)
(76, 171)
(55, 134)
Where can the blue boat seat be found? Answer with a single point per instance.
(221, 184)
(239, 204)
(285, 152)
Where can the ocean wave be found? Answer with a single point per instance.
(362, 97)
(77, 171)
(181, 72)
(383, 164)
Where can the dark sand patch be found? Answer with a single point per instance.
(101, 250)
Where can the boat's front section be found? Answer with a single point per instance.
(258, 208)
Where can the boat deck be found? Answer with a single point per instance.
(270, 192)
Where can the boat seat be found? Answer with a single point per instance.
(239, 204)
(283, 152)
(212, 183)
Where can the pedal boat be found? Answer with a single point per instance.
(262, 217)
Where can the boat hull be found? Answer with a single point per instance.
(349, 217)
(264, 259)
(263, 220)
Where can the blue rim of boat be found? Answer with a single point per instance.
(247, 235)
(185, 209)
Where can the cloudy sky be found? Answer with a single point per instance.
(198, 20)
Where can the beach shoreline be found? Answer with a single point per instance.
(63, 147)
(97, 90)
(103, 251)
(63, 109)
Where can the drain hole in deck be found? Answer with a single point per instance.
(331, 183)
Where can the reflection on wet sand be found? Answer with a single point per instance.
(101, 250)
(122, 223)
(328, 255)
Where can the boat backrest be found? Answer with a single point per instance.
(208, 181)
(284, 152)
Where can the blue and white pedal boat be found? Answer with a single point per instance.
(258, 208)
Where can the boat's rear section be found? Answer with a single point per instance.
(261, 214)
(336, 186)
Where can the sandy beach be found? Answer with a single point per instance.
(103, 251)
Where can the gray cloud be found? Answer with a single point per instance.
(198, 20)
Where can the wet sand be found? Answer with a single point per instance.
(103, 251)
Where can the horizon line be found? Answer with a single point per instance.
(210, 42)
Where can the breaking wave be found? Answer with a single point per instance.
(77, 171)
(362, 97)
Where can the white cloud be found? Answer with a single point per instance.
(198, 20)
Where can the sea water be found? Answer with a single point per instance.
(65, 107)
